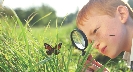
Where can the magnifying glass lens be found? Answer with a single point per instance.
(79, 39)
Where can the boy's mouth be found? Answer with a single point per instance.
(103, 49)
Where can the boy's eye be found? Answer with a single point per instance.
(96, 30)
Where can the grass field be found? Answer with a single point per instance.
(22, 49)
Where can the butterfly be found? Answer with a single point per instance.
(51, 49)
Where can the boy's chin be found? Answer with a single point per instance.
(113, 56)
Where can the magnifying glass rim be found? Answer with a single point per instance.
(84, 37)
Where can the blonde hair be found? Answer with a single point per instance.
(103, 7)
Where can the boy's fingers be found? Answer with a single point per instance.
(90, 59)
(93, 67)
(98, 64)
(93, 64)
(89, 70)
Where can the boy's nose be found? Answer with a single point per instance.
(90, 41)
(96, 45)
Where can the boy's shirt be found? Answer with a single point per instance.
(128, 57)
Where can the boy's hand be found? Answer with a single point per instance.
(94, 66)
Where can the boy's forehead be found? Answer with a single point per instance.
(95, 21)
(91, 23)
(86, 28)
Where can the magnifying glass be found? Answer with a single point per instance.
(79, 40)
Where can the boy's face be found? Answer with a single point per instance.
(108, 33)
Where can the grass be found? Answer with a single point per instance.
(22, 49)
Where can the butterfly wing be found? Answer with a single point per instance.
(57, 47)
(49, 49)
(47, 46)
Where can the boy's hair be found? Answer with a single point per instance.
(102, 7)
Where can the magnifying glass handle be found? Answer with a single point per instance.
(83, 52)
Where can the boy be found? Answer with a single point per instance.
(109, 23)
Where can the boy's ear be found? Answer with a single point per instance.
(123, 13)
